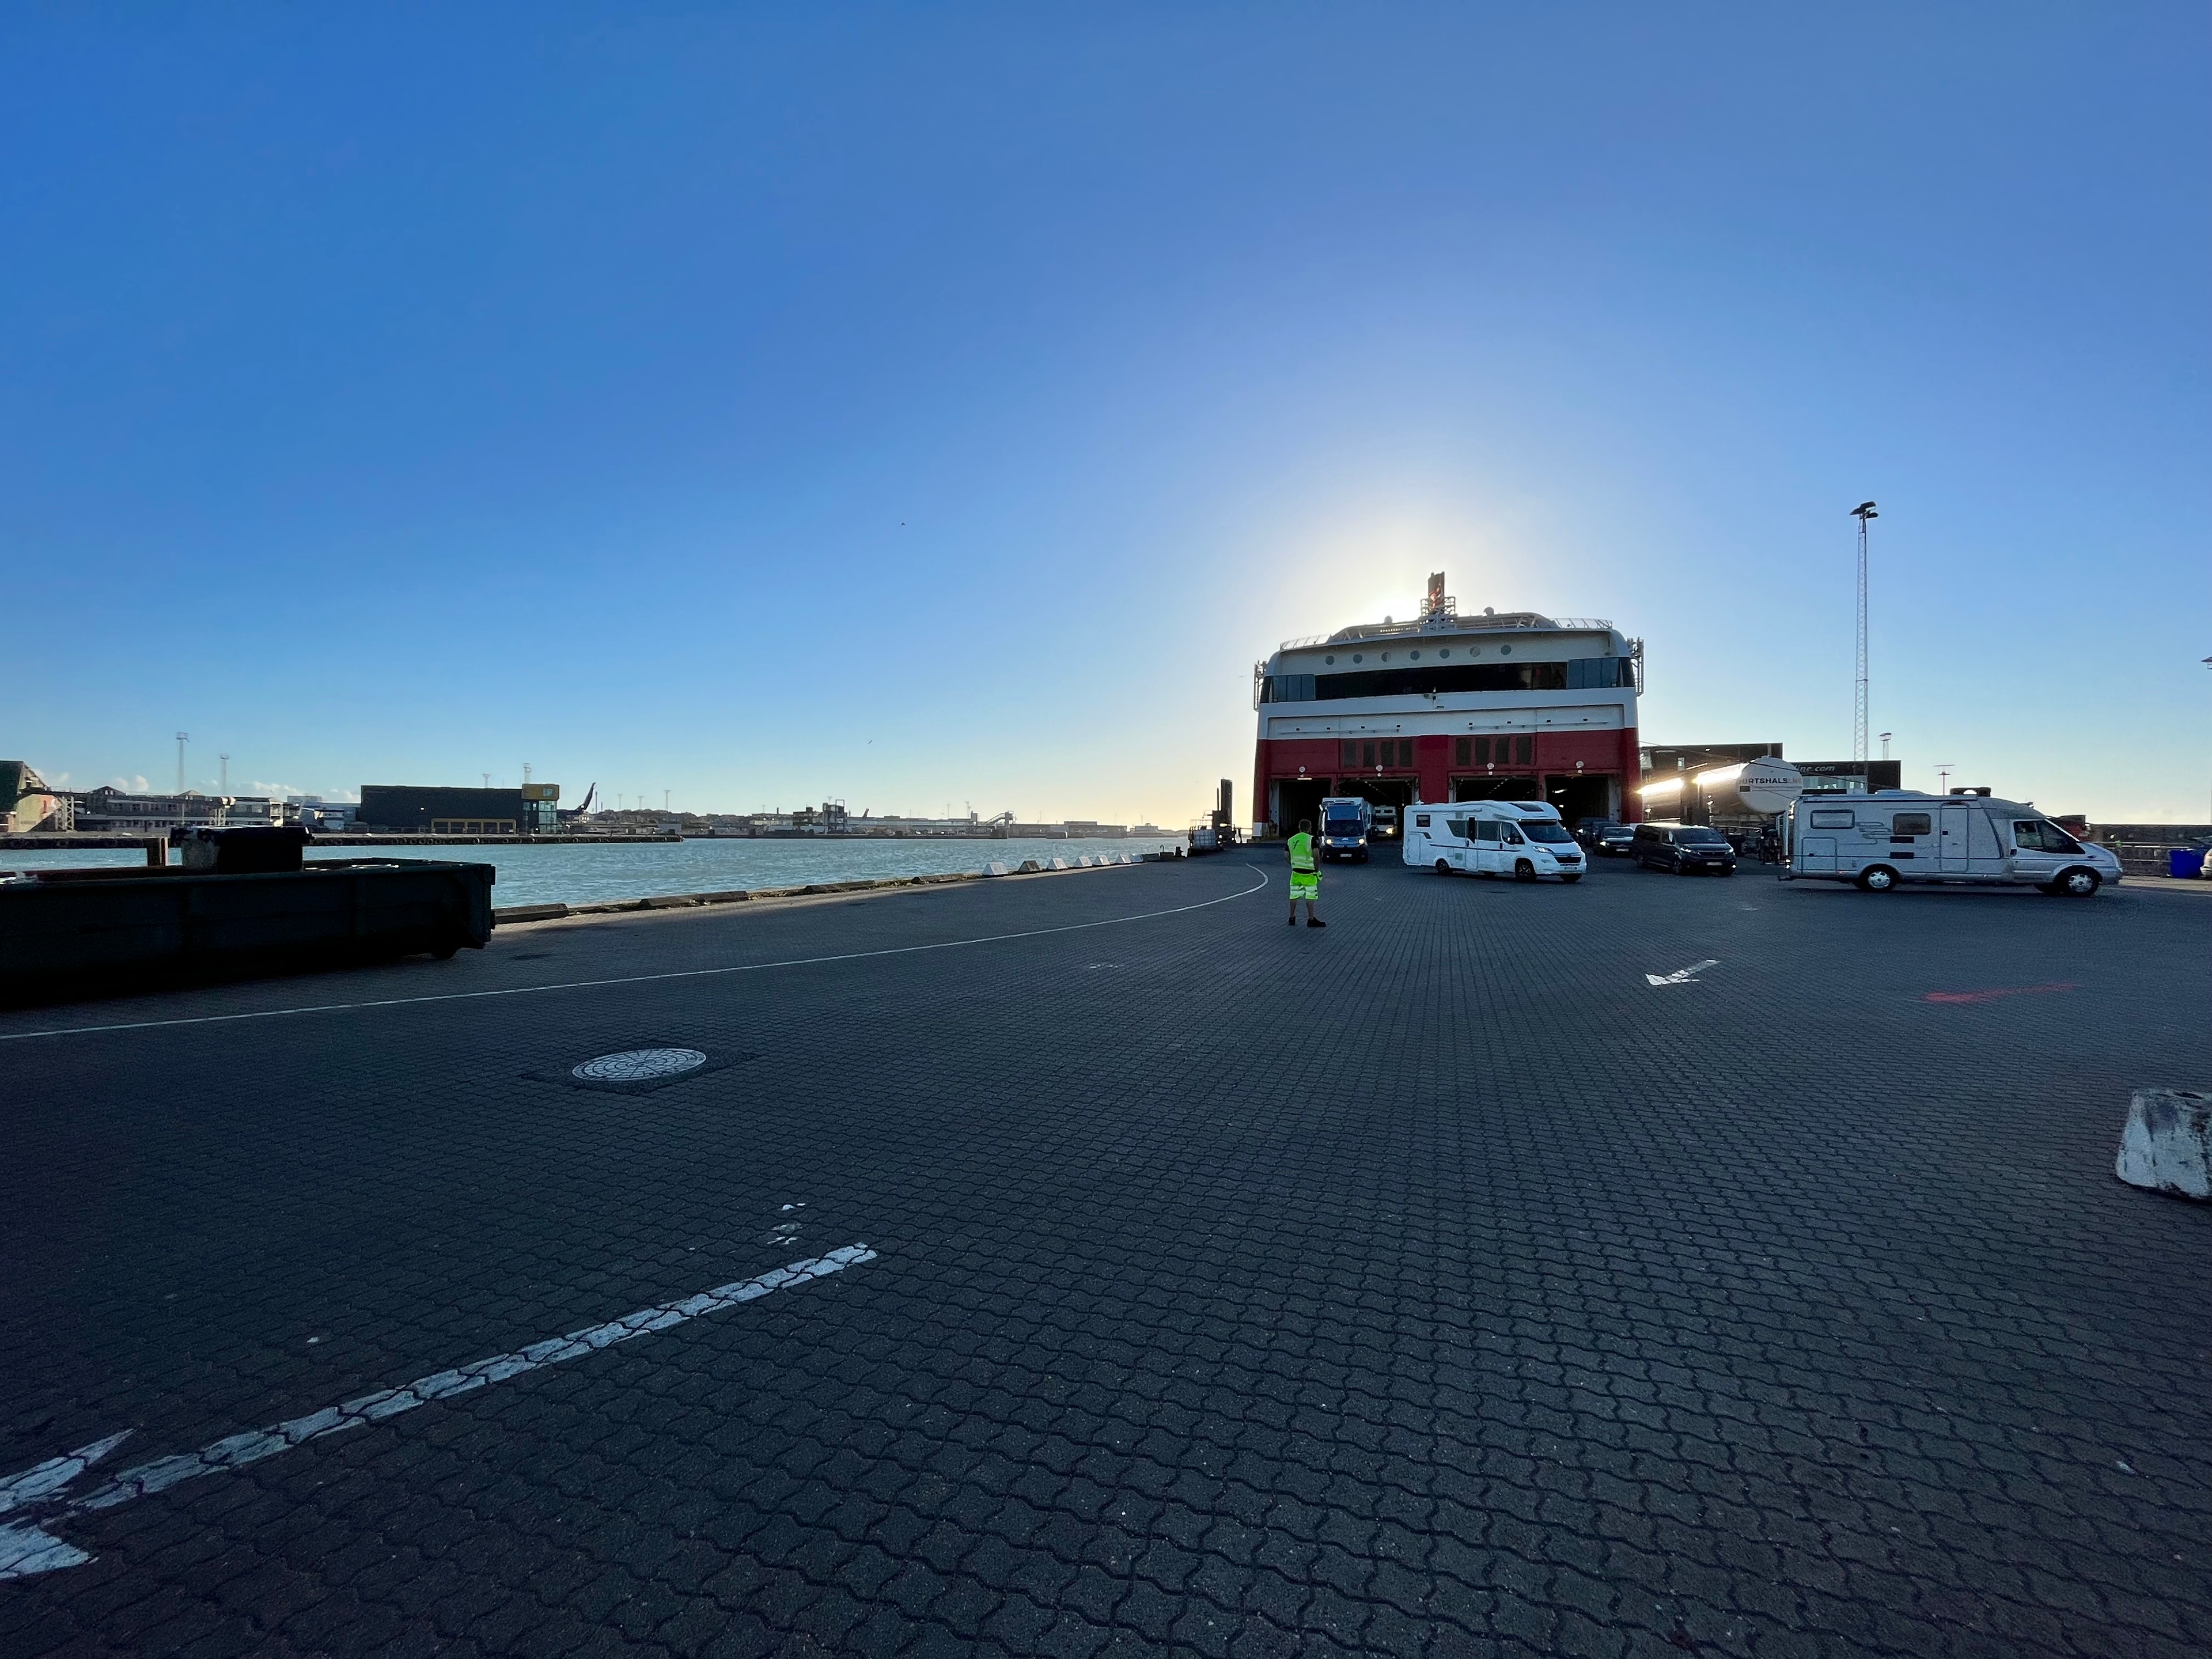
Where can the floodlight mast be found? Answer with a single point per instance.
(1863, 512)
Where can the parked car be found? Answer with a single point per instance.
(1604, 836)
(1687, 850)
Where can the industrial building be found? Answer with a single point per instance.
(408, 809)
(28, 803)
(111, 810)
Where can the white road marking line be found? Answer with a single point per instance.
(55, 1472)
(1683, 975)
(630, 979)
(25, 1550)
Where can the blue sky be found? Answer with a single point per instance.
(928, 405)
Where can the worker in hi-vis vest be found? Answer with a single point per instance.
(1305, 876)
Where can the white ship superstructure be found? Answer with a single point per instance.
(1506, 705)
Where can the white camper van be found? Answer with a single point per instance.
(1523, 839)
(1896, 835)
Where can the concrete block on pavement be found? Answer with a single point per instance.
(2167, 1143)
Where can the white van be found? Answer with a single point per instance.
(1897, 835)
(1523, 839)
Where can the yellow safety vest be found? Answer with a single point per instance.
(1302, 857)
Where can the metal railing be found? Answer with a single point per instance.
(1449, 622)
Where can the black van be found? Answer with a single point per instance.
(1685, 848)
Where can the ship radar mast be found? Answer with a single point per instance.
(1438, 603)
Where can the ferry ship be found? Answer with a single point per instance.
(1505, 705)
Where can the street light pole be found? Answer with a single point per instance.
(1863, 512)
(183, 737)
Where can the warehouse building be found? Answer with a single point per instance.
(409, 809)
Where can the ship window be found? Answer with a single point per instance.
(1347, 753)
(1446, 652)
(1330, 660)
(1597, 673)
(1415, 679)
(1405, 752)
(1386, 656)
(1367, 754)
(1416, 656)
(1525, 750)
(1356, 657)
(1505, 650)
(1463, 751)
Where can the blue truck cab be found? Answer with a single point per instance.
(1346, 823)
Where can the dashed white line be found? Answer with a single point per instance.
(25, 1549)
(1683, 975)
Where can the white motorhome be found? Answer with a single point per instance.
(1523, 839)
(1892, 836)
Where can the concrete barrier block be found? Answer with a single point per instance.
(2167, 1143)
(529, 912)
(998, 869)
(1030, 867)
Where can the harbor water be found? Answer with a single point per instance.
(584, 873)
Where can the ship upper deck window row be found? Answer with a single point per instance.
(1417, 679)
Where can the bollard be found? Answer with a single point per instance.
(2167, 1143)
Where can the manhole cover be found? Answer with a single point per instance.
(640, 1065)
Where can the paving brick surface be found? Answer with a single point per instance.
(1427, 1284)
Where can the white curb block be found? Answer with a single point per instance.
(2167, 1143)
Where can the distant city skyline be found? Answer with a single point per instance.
(889, 405)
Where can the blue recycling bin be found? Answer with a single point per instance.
(2187, 863)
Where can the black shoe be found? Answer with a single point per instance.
(1294, 921)
(1315, 921)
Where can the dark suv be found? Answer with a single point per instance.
(1683, 849)
(1605, 836)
